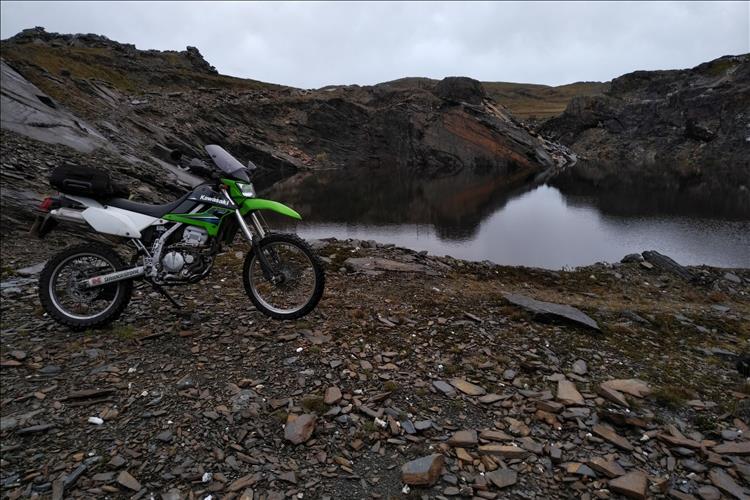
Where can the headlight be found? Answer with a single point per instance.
(247, 190)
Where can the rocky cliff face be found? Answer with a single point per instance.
(683, 131)
(138, 105)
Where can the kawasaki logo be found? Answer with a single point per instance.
(211, 199)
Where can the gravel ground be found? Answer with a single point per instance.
(426, 361)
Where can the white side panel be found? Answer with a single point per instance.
(140, 221)
(117, 221)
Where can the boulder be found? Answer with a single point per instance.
(665, 263)
(460, 89)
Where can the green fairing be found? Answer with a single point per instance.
(249, 204)
(211, 221)
(196, 220)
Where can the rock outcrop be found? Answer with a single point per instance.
(680, 131)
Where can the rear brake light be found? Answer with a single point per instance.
(48, 204)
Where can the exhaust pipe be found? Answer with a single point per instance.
(106, 279)
(67, 215)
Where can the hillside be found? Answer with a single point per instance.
(530, 101)
(134, 106)
(526, 101)
(677, 131)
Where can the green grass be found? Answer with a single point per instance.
(279, 415)
(672, 396)
(390, 386)
(124, 332)
(314, 404)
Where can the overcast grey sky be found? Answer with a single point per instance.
(314, 44)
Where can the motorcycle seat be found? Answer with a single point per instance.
(144, 208)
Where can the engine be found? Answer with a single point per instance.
(187, 259)
(194, 236)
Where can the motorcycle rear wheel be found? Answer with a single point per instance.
(71, 305)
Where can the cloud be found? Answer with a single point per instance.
(312, 44)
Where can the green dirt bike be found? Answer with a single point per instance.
(89, 285)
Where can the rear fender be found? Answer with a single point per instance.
(250, 204)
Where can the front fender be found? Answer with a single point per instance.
(250, 204)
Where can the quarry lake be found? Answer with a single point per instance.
(473, 218)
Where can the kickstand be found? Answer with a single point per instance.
(162, 291)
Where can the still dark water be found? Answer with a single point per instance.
(477, 218)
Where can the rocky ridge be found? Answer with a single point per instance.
(677, 131)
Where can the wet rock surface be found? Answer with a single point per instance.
(389, 369)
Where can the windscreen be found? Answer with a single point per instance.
(227, 163)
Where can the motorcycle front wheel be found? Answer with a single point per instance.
(293, 283)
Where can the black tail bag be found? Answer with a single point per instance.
(86, 181)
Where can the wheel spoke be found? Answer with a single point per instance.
(297, 278)
(70, 297)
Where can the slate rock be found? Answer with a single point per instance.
(609, 468)
(165, 437)
(632, 485)
(464, 439)
(567, 393)
(608, 434)
(423, 471)
(667, 264)
(128, 481)
(580, 367)
(733, 448)
(444, 387)
(502, 478)
(552, 310)
(185, 382)
(300, 428)
(504, 451)
(332, 395)
(726, 484)
(467, 387)
(378, 264)
(632, 386)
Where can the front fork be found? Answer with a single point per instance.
(255, 240)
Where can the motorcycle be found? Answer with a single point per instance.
(89, 285)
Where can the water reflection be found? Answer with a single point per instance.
(477, 217)
(454, 206)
